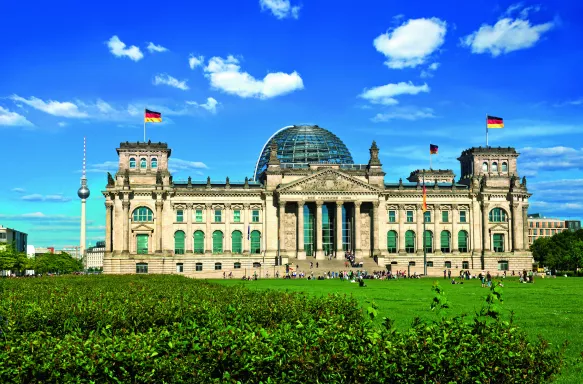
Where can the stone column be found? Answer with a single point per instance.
(158, 238)
(419, 233)
(485, 234)
(436, 233)
(319, 232)
(208, 236)
(246, 245)
(108, 217)
(357, 243)
(126, 223)
(227, 238)
(524, 225)
(339, 230)
(301, 255)
(454, 230)
(516, 233)
(375, 228)
(189, 235)
(402, 217)
(282, 249)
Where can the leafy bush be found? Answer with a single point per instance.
(154, 329)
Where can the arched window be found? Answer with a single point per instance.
(142, 214)
(410, 242)
(143, 162)
(198, 242)
(504, 167)
(217, 242)
(428, 242)
(256, 264)
(132, 162)
(179, 243)
(494, 167)
(462, 241)
(497, 215)
(485, 166)
(236, 242)
(154, 163)
(392, 241)
(255, 242)
(445, 241)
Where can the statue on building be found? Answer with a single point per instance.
(453, 186)
(159, 180)
(227, 183)
(110, 181)
(374, 154)
(401, 183)
(246, 186)
(126, 178)
(208, 182)
(435, 186)
(273, 160)
(524, 181)
(189, 182)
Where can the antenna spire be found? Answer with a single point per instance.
(84, 156)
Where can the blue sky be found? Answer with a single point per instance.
(227, 74)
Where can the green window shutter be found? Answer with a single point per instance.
(179, 243)
(199, 242)
(217, 242)
(236, 246)
(444, 239)
(237, 216)
(392, 241)
(428, 241)
(410, 241)
(445, 216)
(142, 241)
(255, 242)
(462, 241)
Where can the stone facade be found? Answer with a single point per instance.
(157, 225)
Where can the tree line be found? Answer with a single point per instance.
(18, 262)
(562, 252)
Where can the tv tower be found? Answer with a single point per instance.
(83, 194)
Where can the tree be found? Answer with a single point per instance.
(563, 251)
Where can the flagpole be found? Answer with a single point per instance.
(486, 130)
(144, 125)
(430, 156)
(424, 249)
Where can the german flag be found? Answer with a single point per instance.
(433, 149)
(152, 117)
(494, 122)
(424, 198)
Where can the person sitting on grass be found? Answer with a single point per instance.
(361, 283)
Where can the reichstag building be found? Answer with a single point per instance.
(308, 200)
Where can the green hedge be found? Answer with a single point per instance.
(159, 329)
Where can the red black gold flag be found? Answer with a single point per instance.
(152, 117)
(433, 149)
(494, 122)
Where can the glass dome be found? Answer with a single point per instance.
(303, 144)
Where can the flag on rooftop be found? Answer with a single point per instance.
(152, 117)
(494, 122)
(433, 149)
(424, 197)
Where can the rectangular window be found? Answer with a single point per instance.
(430, 264)
(392, 217)
(142, 268)
(2, 235)
(255, 216)
(445, 217)
(498, 242)
(237, 216)
(179, 267)
(179, 216)
(530, 224)
(198, 267)
(218, 214)
(547, 232)
(535, 231)
(462, 216)
(537, 224)
(503, 265)
(198, 216)
(409, 216)
(465, 265)
(427, 217)
(448, 264)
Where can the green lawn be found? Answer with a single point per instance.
(552, 308)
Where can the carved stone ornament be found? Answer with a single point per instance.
(125, 205)
(110, 181)
(246, 205)
(189, 182)
(126, 179)
(453, 187)
(435, 186)
(364, 230)
(208, 205)
(273, 160)
(524, 181)
(159, 178)
(330, 181)
(401, 184)
(208, 182)
(290, 231)
(227, 183)
(246, 186)
(374, 155)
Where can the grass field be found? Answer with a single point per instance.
(551, 308)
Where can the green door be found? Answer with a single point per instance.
(142, 244)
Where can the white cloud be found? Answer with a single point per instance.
(280, 8)
(508, 34)
(50, 198)
(18, 190)
(176, 165)
(106, 166)
(62, 124)
(39, 216)
(55, 108)
(170, 81)
(13, 119)
(156, 48)
(224, 74)
(534, 160)
(194, 61)
(410, 44)
(429, 72)
(118, 48)
(404, 114)
(210, 105)
(385, 94)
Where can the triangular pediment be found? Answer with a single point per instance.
(329, 180)
(499, 227)
(143, 227)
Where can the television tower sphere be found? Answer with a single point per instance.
(83, 192)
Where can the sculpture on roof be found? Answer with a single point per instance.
(374, 154)
(189, 182)
(126, 178)
(208, 182)
(401, 183)
(246, 186)
(159, 180)
(110, 181)
(524, 181)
